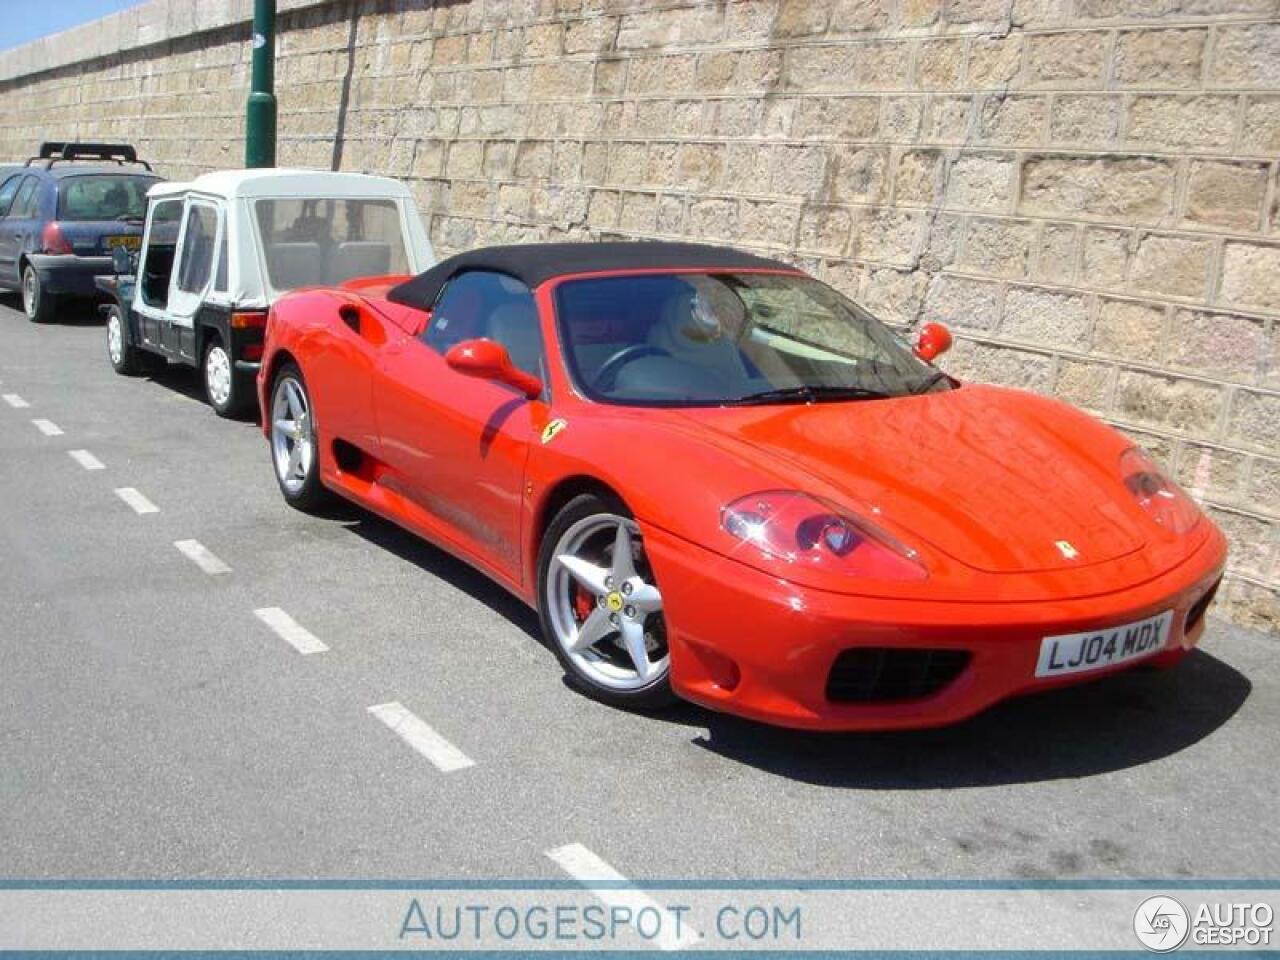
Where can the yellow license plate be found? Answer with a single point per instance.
(129, 243)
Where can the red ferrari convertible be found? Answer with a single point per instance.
(716, 477)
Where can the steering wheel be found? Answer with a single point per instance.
(610, 369)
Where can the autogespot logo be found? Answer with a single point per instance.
(1161, 923)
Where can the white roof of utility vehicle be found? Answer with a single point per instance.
(282, 182)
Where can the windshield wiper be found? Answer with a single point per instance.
(931, 381)
(817, 393)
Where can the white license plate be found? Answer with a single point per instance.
(1096, 649)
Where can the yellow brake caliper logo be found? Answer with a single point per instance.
(551, 429)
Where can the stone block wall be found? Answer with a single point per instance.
(1085, 190)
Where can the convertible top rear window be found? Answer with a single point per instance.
(324, 242)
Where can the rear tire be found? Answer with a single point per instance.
(601, 612)
(295, 444)
(228, 392)
(39, 306)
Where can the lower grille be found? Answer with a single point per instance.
(877, 674)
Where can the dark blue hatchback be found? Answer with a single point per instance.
(60, 218)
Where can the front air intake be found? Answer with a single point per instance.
(1197, 611)
(879, 674)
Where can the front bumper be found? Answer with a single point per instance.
(70, 274)
(747, 643)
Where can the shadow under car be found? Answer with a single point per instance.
(1119, 721)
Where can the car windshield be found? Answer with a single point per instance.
(324, 242)
(104, 197)
(729, 338)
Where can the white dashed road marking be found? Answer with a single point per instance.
(86, 459)
(199, 554)
(48, 428)
(136, 500)
(15, 401)
(615, 890)
(290, 631)
(417, 734)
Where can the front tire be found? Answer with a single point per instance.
(295, 446)
(39, 306)
(228, 392)
(126, 359)
(600, 607)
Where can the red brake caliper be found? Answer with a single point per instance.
(582, 602)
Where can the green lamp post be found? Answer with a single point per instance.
(260, 116)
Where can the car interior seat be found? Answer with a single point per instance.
(358, 258)
(115, 203)
(682, 337)
(293, 265)
(155, 275)
(515, 326)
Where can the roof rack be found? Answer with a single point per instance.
(53, 151)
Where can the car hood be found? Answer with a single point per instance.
(999, 480)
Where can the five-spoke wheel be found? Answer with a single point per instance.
(293, 440)
(600, 605)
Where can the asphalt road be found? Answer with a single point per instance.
(152, 727)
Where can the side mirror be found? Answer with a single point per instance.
(122, 263)
(488, 360)
(934, 340)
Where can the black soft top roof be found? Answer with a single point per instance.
(533, 263)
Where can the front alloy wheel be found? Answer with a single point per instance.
(601, 606)
(122, 354)
(293, 440)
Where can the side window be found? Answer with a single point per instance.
(491, 305)
(220, 276)
(8, 190)
(195, 267)
(24, 204)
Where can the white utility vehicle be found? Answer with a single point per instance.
(217, 252)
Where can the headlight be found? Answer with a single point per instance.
(1163, 499)
(799, 529)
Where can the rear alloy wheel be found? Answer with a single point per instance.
(600, 606)
(294, 447)
(226, 390)
(124, 356)
(39, 306)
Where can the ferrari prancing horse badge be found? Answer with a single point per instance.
(551, 429)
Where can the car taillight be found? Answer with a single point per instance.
(52, 240)
(799, 529)
(249, 319)
(1163, 499)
